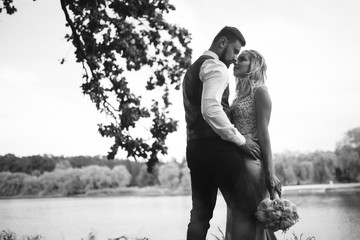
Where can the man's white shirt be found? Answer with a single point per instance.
(215, 78)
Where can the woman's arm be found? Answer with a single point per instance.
(263, 113)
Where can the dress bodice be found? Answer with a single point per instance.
(243, 114)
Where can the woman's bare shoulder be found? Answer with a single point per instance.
(262, 95)
(262, 91)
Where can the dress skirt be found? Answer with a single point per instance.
(255, 187)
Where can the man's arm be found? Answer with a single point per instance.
(214, 76)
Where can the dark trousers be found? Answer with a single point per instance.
(217, 164)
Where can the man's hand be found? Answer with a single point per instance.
(251, 148)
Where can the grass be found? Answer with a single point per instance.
(295, 237)
(10, 235)
(300, 237)
(92, 236)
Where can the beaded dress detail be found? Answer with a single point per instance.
(243, 114)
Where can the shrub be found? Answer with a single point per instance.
(11, 184)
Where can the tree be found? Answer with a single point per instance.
(283, 166)
(352, 139)
(73, 184)
(83, 161)
(113, 39)
(64, 164)
(40, 163)
(120, 176)
(185, 179)
(348, 152)
(324, 166)
(11, 184)
(32, 186)
(144, 178)
(169, 174)
(11, 163)
(8, 6)
(285, 173)
(134, 169)
(96, 177)
(304, 171)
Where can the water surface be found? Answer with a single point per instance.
(330, 216)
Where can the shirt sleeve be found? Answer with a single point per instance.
(214, 76)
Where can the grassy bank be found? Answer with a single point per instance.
(113, 192)
(158, 191)
(9, 235)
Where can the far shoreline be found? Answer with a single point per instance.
(304, 189)
(321, 188)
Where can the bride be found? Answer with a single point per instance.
(250, 113)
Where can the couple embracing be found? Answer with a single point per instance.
(228, 146)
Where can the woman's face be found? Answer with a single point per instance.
(242, 65)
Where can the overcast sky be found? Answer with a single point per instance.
(311, 47)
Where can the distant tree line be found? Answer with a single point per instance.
(342, 165)
(300, 168)
(66, 176)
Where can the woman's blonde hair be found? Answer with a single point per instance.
(255, 78)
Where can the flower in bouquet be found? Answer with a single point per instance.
(277, 214)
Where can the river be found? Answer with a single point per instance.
(327, 216)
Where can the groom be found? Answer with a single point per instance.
(213, 143)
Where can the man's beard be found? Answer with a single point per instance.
(223, 59)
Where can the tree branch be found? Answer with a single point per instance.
(77, 42)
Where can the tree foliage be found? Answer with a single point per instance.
(64, 182)
(113, 39)
(116, 36)
(324, 166)
(29, 165)
(185, 179)
(300, 168)
(144, 178)
(8, 6)
(169, 175)
(304, 171)
(11, 183)
(95, 179)
(348, 152)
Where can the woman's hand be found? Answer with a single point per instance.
(273, 185)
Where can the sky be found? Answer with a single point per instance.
(311, 48)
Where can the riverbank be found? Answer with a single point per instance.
(157, 191)
(321, 188)
(151, 191)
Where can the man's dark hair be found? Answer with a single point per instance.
(232, 34)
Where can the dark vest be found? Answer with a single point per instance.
(196, 126)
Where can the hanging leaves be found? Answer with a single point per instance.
(113, 38)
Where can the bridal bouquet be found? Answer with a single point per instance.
(277, 214)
